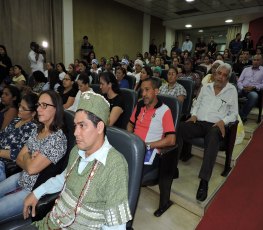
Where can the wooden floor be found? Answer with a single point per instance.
(186, 212)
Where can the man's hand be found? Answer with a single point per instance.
(192, 119)
(221, 126)
(248, 88)
(30, 202)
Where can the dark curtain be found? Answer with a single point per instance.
(23, 21)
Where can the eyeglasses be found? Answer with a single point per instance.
(22, 108)
(44, 105)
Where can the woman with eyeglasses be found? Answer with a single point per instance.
(45, 147)
(68, 91)
(9, 105)
(15, 135)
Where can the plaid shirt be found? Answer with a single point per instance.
(193, 76)
(176, 90)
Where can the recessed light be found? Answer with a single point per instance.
(228, 20)
(188, 25)
(220, 35)
(189, 0)
(200, 31)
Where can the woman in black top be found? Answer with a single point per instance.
(68, 91)
(5, 63)
(110, 88)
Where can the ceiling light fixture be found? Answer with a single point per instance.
(200, 31)
(188, 25)
(228, 20)
(189, 0)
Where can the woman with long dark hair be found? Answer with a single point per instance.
(111, 91)
(5, 63)
(9, 105)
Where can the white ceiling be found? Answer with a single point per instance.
(205, 13)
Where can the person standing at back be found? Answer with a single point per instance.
(86, 48)
(35, 58)
(187, 44)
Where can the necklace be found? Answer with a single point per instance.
(83, 192)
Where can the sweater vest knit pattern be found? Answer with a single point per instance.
(105, 203)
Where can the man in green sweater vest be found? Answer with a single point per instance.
(94, 186)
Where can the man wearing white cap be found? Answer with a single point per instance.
(138, 64)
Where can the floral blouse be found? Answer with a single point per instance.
(53, 147)
(15, 138)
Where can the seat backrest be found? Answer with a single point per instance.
(201, 68)
(174, 105)
(132, 81)
(130, 100)
(132, 147)
(54, 169)
(189, 85)
(96, 88)
(200, 73)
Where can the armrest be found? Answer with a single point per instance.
(44, 205)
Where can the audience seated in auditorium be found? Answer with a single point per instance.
(120, 74)
(153, 123)
(9, 105)
(189, 74)
(68, 91)
(110, 88)
(45, 146)
(249, 82)
(173, 88)
(216, 106)
(83, 86)
(15, 135)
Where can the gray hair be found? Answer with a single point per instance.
(225, 66)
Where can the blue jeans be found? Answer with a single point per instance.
(252, 99)
(11, 204)
(2, 171)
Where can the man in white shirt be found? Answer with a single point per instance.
(187, 44)
(35, 58)
(216, 106)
